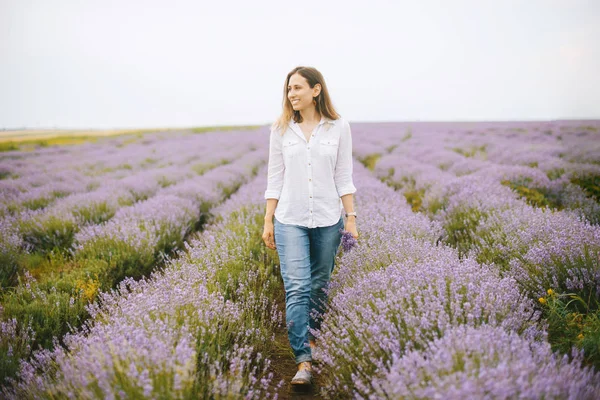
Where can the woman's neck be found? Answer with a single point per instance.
(310, 116)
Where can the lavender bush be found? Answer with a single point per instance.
(173, 334)
(403, 292)
(486, 362)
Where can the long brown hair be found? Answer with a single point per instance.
(323, 105)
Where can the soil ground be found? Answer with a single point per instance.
(284, 368)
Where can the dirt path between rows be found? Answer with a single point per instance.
(284, 368)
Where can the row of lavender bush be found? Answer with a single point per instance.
(129, 244)
(54, 194)
(36, 179)
(197, 329)
(535, 224)
(408, 318)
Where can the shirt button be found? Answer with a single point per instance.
(310, 197)
(309, 179)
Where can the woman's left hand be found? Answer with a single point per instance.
(350, 226)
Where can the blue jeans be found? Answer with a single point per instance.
(307, 258)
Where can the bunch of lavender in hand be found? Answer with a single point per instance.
(348, 241)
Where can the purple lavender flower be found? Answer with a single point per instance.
(348, 241)
(486, 362)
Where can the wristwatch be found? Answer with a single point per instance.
(351, 213)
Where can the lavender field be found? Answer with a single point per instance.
(133, 267)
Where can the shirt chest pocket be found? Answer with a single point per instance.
(329, 146)
(290, 148)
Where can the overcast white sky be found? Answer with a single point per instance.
(146, 63)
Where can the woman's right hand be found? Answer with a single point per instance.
(268, 235)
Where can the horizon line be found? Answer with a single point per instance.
(269, 123)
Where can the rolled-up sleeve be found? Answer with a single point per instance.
(343, 168)
(275, 167)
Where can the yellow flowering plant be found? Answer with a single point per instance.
(571, 322)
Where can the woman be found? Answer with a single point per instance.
(309, 185)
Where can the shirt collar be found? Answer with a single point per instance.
(324, 120)
(296, 127)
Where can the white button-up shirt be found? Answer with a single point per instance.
(309, 177)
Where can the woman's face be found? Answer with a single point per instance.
(300, 93)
